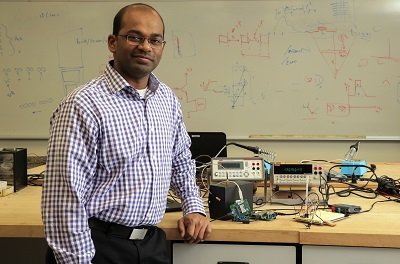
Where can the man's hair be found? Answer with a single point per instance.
(121, 12)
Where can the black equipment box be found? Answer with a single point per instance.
(223, 194)
(13, 167)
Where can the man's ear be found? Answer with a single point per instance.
(112, 39)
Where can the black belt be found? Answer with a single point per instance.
(121, 231)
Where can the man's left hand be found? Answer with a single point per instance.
(194, 227)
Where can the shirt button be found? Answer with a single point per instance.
(149, 215)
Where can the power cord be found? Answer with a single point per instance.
(387, 185)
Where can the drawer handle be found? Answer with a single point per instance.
(232, 262)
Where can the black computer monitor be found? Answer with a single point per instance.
(206, 145)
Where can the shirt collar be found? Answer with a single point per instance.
(116, 82)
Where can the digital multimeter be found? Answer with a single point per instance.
(247, 169)
(297, 174)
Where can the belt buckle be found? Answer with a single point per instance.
(138, 234)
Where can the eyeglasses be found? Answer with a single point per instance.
(137, 40)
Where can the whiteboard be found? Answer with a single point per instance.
(247, 68)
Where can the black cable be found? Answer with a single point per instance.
(384, 201)
(285, 214)
(320, 160)
(351, 188)
(222, 217)
(387, 185)
(35, 179)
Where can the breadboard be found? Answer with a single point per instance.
(321, 217)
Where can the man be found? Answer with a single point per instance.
(116, 146)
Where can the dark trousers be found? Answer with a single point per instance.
(153, 249)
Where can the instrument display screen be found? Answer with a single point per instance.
(293, 169)
(229, 165)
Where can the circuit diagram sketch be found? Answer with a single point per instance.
(333, 46)
(190, 105)
(357, 98)
(237, 92)
(254, 43)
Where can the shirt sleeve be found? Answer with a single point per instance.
(184, 172)
(68, 182)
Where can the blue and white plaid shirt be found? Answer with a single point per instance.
(113, 155)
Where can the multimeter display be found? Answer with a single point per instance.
(297, 174)
(293, 169)
(230, 165)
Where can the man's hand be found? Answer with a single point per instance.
(194, 227)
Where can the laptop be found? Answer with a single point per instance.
(173, 205)
(206, 145)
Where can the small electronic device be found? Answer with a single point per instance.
(265, 215)
(247, 169)
(241, 211)
(346, 208)
(297, 174)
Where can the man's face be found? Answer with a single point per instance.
(136, 61)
